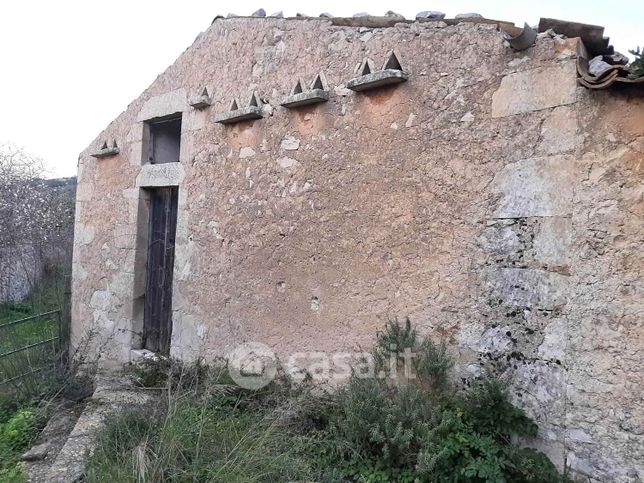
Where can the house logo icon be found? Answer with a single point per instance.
(252, 365)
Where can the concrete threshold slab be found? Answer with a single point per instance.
(112, 395)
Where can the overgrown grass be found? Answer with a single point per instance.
(15, 339)
(25, 403)
(407, 429)
(207, 429)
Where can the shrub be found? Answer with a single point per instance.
(489, 411)
(423, 430)
(383, 424)
(431, 362)
(19, 430)
(637, 66)
(16, 433)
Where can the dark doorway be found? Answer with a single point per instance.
(157, 316)
(165, 140)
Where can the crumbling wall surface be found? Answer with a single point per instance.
(605, 413)
(462, 198)
(563, 299)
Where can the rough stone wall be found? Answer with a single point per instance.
(605, 408)
(482, 198)
(21, 269)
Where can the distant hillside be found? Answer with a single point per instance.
(62, 184)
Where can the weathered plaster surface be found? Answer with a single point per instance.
(490, 199)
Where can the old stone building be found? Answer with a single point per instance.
(485, 193)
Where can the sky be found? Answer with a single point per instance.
(67, 68)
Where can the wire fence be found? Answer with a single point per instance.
(30, 345)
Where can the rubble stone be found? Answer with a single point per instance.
(36, 453)
(430, 15)
(468, 15)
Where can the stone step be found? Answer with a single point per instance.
(112, 395)
(38, 459)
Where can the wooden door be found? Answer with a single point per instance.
(157, 320)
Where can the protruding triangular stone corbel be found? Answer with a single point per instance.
(319, 92)
(239, 114)
(366, 67)
(255, 101)
(106, 151)
(298, 88)
(391, 73)
(202, 100)
(320, 82)
(392, 62)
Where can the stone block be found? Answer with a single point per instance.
(84, 191)
(101, 300)
(135, 153)
(559, 131)
(38, 452)
(536, 187)
(552, 243)
(430, 15)
(83, 234)
(246, 152)
(495, 341)
(239, 115)
(543, 389)
(554, 342)
(136, 132)
(500, 240)
(166, 104)
(307, 98)
(200, 101)
(158, 175)
(290, 143)
(522, 287)
(377, 79)
(125, 235)
(535, 89)
(142, 355)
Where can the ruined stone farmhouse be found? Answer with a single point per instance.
(297, 182)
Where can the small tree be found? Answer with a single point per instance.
(36, 218)
(637, 66)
